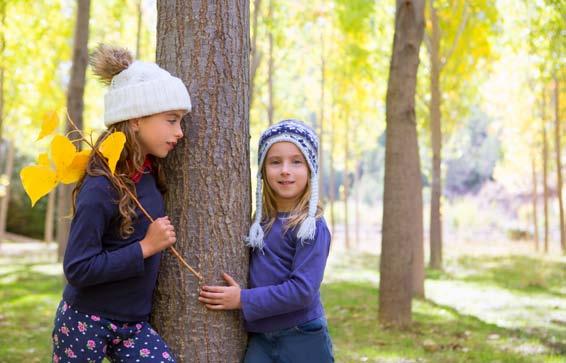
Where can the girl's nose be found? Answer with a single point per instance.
(285, 169)
(179, 133)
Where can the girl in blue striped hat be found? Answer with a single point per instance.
(290, 241)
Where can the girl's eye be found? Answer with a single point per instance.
(297, 161)
(274, 162)
(172, 122)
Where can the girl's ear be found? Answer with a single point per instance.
(135, 124)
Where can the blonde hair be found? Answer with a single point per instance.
(131, 160)
(296, 216)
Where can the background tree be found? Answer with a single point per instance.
(402, 194)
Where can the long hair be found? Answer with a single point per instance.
(130, 161)
(296, 216)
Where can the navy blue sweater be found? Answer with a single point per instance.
(285, 279)
(107, 275)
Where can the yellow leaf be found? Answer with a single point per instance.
(43, 160)
(38, 180)
(62, 152)
(76, 170)
(49, 124)
(112, 147)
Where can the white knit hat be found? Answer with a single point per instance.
(298, 133)
(143, 89)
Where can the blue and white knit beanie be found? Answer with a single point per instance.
(298, 133)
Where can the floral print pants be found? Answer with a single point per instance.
(79, 337)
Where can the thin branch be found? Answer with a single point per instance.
(135, 199)
(463, 22)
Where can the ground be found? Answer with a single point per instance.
(487, 305)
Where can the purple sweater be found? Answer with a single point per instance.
(285, 279)
(107, 275)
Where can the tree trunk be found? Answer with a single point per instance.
(2, 46)
(557, 138)
(321, 131)
(5, 199)
(346, 185)
(357, 201)
(255, 55)
(49, 214)
(534, 198)
(545, 172)
(402, 193)
(332, 183)
(270, 70)
(207, 45)
(75, 107)
(139, 29)
(436, 138)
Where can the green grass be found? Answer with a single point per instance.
(443, 331)
(29, 295)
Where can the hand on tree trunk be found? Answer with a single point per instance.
(222, 297)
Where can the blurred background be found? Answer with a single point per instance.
(491, 86)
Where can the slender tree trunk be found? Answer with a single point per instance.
(270, 75)
(346, 185)
(2, 46)
(402, 193)
(49, 215)
(139, 29)
(5, 199)
(321, 132)
(208, 174)
(557, 138)
(436, 137)
(534, 198)
(545, 172)
(332, 181)
(357, 201)
(255, 55)
(75, 107)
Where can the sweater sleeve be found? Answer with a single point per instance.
(302, 286)
(86, 262)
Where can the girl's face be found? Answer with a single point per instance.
(159, 133)
(286, 172)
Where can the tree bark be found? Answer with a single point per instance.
(75, 107)
(545, 171)
(139, 28)
(402, 194)
(535, 198)
(321, 163)
(49, 214)
(558, 149)
(255, 55)
(346, 185)
(270, 68)
(436, 138)
(5, 199)
(207, 45)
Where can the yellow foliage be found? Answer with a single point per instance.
(49, 124)
(38, 180)
(112, 147)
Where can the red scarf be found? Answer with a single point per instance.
(147, 166)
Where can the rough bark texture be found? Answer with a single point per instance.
(436, 138)
(75, 107)
(206, 44)
(402, 195)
